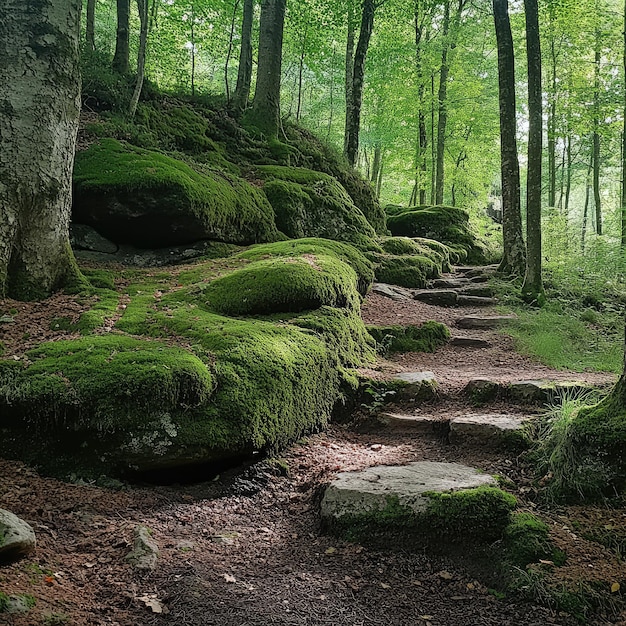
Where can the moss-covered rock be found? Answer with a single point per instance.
(405, 270)
(448, 225)
(527, 540)
(282, 284)
(437, 252)
(308, 203)
(148, 199)
(299, 247)
(426, 337)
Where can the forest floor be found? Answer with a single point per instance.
(246, 548)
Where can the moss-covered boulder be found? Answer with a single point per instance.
(404, 270)
(426, 337)
(308, 203)
(448, 225)
(429, 248)
(147, 199)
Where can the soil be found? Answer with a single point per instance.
(246, 548)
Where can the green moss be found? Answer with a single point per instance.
(298, 247)
(308, 203)
(426, 337)
(159, 187)
(481, 513)
(406, 271)
(527, 540)
(281, 284)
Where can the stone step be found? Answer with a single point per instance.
(404, 495)
(469, 342)
(437, 297)
(463, 300)
(476, 290)
(414, 423)
(484, 322)
(416, 386)
(491, 429)
(450, 283)
(392, 291)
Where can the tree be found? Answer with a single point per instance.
(39, 105)
(142, 7)
(244, 73)
(121, 58)
(90, 27)
(532, 289)
(514, 259)
(265, 112)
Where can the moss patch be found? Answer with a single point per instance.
(405, 271)
(527, 540)
(426, 337)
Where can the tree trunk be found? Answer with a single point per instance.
(40, 104)
(433, 143)
(142, 7)
(420, 157)
(265, 112)
(532, 289)
(568, 174)
(353, 119)
(121, 58)
(90, 26)
(586, 209)
(229, 53)
(514, 260)
(596, 137)
(552, 123)
(379, 180)
(349, 71)
(301, 71)
(192, 32)
(623, 190)
(376, 165)
(244, 73)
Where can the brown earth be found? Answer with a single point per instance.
(246, 548)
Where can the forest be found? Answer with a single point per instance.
(312, 312)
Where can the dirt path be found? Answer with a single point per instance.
(246, 549)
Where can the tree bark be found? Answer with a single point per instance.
(229, 53)
(596, 137)
(90, 26)
(349, 70)
(586, 209)
(420, 157)
(623, 190)
(353, 119)
(532, 289)
(514, 260)
(244, 73)
(40, 104)
(301, 72)
(142, 7)
(265, 112)
(121, 58)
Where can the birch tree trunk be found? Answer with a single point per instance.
(121, 58)
(514, 260)
(39, 105)
(244, 73)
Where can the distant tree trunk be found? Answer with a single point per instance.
(568, 174)
(301, 71)
(142, 7)
(419, 196)
(514, 260)
(331, 96)
(433, 143)
(349, 71)
(376, 164)
(90, 26)
(265, 112)
(623, 190)
(353, 118)
(552, 124)
(244, 73)
(121, 58)
(379, 179)
(596, 138)
(229, 52)
(586, 209)
(192, 33)
(40, 104)
(532, 289)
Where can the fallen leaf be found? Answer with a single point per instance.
(330, 550)
(444, 575)
(543, 562)
(229, 579)
(385, 586)
(615, 587)
(153, 603)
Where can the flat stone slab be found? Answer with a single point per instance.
(463, 300)
(486, 429)
(437, 297)
(484, 322)
(544, 391)
(417, 385)
(392, 291)
(469, 342)
(422, 424)
(476, 290)
(17, 538)
(450, 283)
(355, 494)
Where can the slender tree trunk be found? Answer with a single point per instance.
(562, 176)
(433, 143)
(376, 165)
(40, 104)
(192, 24)
(121, 58)
(514, 260)
(552, 123)
(596, 137)
(623, 190)
(568, 174)
(358, 75)
(90, 26)
(419, 195)
(586, 209)
(244, 73)
(331, 95)
(229, 52)
(532, 289)
(301, 71)
(265, 112)
(349, 71)
(142, 7)
(379, 180)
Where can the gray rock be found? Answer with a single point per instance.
(484, 322)
(476, 290)
(422, 424)
(354, 494)
(392, 291)
(417, 385)
(469, 342)
(17, 538)
(437, 297)
(544, 391)
(83, 237)
(487, 429)
(463, 300)
(481, 390)
(449, 283)
(145, 550)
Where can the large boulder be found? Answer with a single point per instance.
(147, 199)
(17, 538)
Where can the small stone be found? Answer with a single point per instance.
(17, 538)
(145, 550)
(484, 322)
(417, 385)
(482, 390)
